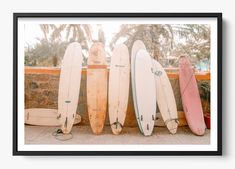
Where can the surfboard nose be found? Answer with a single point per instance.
(200, 131)
(116, 128)
(172, 126)
(147, 133)
(183, 60)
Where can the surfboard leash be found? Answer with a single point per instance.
(172, 119)
(59, 135)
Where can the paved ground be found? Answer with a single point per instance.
(83, 135)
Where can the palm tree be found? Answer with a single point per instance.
(56, 35)
(163, 40)
(151, 35)
(46, 29)
(197, 40)
(74, 32)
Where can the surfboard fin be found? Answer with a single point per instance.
(172, 119)
(66, 122)
(116, 124)
(28, 116)
(177, 121)
(59, 116)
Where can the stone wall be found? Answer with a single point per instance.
(41, 91)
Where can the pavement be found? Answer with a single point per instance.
(84, 135)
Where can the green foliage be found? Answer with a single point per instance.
(205, 93)
(74, 32)
(205, 88)
(45, 53)
(196, 40)
(163, 40)
(49, 51)
(157, 38)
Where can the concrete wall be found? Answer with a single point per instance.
(41, 91)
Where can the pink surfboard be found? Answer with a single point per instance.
(190, 97)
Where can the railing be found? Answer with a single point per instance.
(56, 71)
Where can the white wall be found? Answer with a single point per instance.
(9, 6)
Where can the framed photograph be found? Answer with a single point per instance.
(117, 84)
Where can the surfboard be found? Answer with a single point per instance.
(97, 79)
(137, 45)
(119, 79)
(44, 117)
(190, 97)
(69, 86)
(145, 91)
(181, 117)
(165, 97)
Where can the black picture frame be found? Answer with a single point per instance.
(16, 16)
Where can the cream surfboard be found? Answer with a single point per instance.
(97, 81)
(181, 117)
(119, 79)
(165, 97)
(191, 100)
(44, 117)
(69, 86)
(137, 45)
(145, 91)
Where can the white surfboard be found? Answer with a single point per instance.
(138, 44)
(119, 79)
(69, 86)
(145, 91)
(44, 117)
(165, 98)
